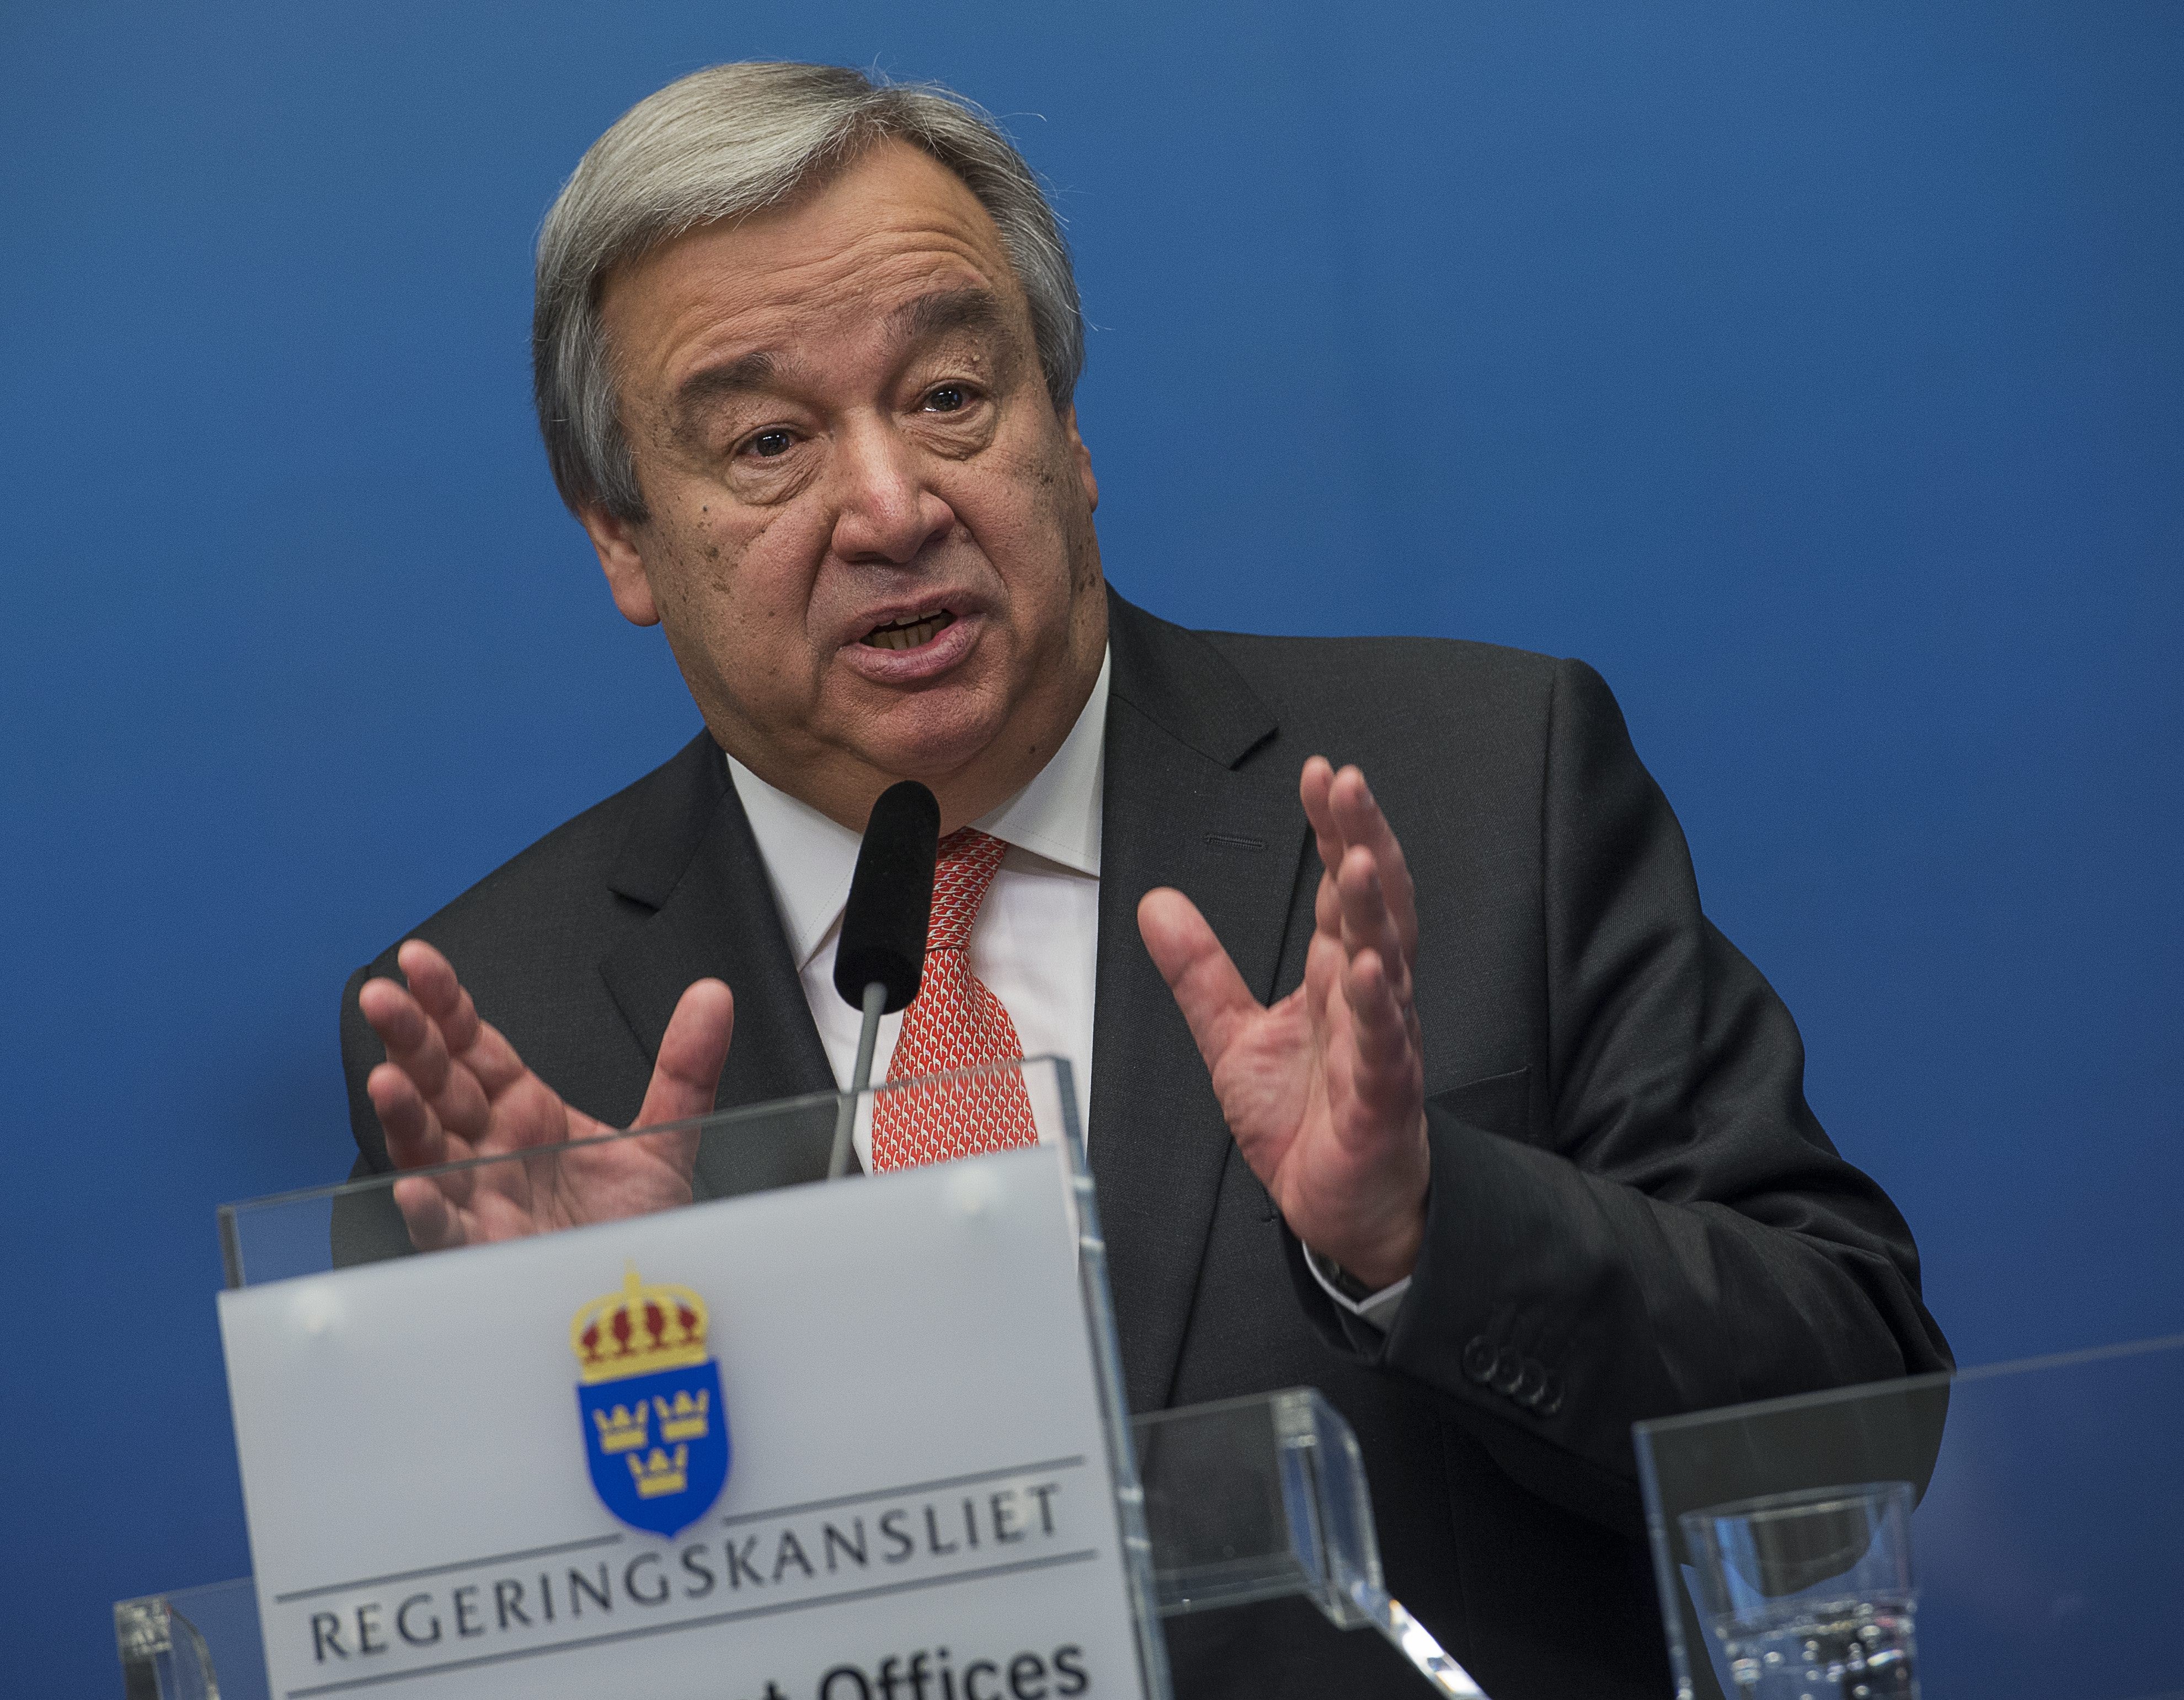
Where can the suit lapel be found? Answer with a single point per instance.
(1181, 807)
(691, 857)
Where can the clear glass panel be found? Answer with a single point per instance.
(1263, 1497)
(1232, 1504)
(2045, 1554)
(544, 1188)
(1252, 1499)
(722, 1156)
(321, 1229)
(1248, 1499)
(191, 1644)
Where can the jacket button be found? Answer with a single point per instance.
(1531, 1382)
(1549, 1400)
(1508, 1371)
(1478, 1358)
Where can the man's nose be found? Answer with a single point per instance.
(885, 511)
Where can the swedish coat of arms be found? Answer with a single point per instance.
(656, 1430)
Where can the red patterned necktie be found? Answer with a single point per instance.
(955, 1021)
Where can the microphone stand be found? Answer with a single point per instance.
(845, 1113)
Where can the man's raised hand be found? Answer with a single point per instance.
(1325, 1089)
(452, 1087)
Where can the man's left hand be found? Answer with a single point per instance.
(1325, 1089)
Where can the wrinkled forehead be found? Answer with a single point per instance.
(890, 248)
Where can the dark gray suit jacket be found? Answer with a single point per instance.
(1633, 1212)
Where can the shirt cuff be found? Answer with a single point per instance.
(1375, 1310)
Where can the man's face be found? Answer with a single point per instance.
(870, 535)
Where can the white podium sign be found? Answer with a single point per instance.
(833, 1442)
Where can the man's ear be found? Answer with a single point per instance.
(1081, 456)
(622, 560)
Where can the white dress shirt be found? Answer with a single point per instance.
(1036, 942)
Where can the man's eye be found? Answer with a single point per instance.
(948, 398)
(768, 443)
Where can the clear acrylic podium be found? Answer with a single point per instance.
(1220, 1505)
(1292, 1519)
(2046, 1556)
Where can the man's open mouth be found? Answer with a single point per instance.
(912, 632)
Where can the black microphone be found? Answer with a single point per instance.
(890, 905)
(880, 957)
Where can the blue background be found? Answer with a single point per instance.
(1817, 371)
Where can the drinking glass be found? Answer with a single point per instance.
(1810, 1593)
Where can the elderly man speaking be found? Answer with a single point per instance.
(1421, 1079)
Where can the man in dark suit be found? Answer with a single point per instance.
(1440, 1095)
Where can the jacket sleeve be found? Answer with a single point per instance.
(1668, 1229)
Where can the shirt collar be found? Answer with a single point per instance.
(809, 858)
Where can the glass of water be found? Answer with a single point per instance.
(1810, 1593)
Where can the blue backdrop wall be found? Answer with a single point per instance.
(1816, 371)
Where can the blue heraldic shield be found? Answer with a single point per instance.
(655, 1427)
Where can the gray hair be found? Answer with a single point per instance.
(733, 140)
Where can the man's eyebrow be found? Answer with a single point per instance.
(921, 320)
(947, 310)
(751, 372)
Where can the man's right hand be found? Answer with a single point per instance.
(452, 1087)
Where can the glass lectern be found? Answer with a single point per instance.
(1211, 1506)
(2015, 1532)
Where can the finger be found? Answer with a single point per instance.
(1358, 821)
(434, 1225)
(439, 993)
(476, 1043)
(1318, 789)
(412, 1038)
(1380, 1034)
(692, 1051)
(1314, 786)
(1327, 903)
(394, 1015)
(1325, 964)
(1368, 923)
(1207, 989)
(1385, 1076)
(415, 1045)
(415, 1136)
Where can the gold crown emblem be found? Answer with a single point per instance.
(621, 1429)
(683, 1420)
(657, 1472)
(636, 1331)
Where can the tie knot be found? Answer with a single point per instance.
(963, 870)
